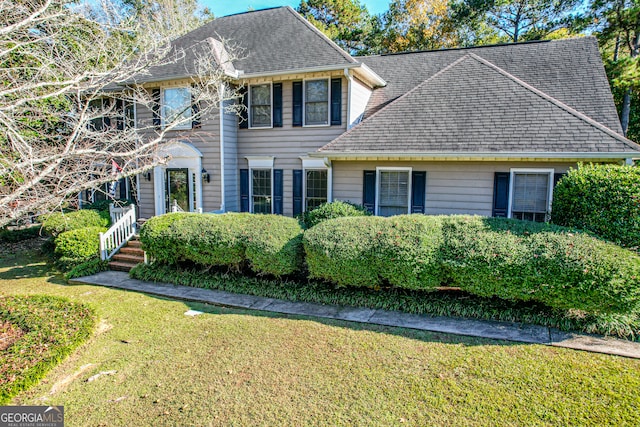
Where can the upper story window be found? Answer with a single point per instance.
(118, 113)
(260, 106)
(176, 106)
(316, 102)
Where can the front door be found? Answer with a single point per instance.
(178, 189)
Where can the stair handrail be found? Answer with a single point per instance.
(119, 234)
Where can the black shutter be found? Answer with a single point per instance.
(297, 104)
(336, 102)
(418, 190)
(369, 191)
(155, 107)
(244, 190)
(195, 111)
(244, 112)
(120, 114)
(277, 105)
(297, 192)
(106, 120)
(277, 191)
(557, 177)
(501, 194)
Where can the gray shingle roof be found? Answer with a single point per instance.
(473, 106)
(569, 70)
(266, 41)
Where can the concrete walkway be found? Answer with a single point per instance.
(476, 328)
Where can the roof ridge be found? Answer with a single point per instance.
(556, 102)
(322, 35)
(390, 104)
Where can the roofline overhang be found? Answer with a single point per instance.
(375, 78)
(476, 156)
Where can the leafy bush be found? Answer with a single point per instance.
(53, 328)
(604, 199)
(490, 257)
(20, 234)
(79, 244)
(60, 222)
(374, 251)
(269, 244)
(559, 267)
(87, 268)
(332, 210)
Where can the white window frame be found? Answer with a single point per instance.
(309, 163)
(393, 169)
(259, 163)
(304, 102)
(163, 104)
(271, 105)
(514, 171)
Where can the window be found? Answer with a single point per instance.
(316, 102)
(261, 191)
(531, 194)
(316, 188)
(260, 106)
(394, 186)
(176, 106)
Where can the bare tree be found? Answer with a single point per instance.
(69, 79)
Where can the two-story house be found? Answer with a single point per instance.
(483, 130)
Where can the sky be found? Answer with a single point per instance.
(228, 7)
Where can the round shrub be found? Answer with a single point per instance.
(557, 266)
(332, 210)
(269, 244)
(373, 251)
(604, 199)
(59, 222)
(273, 244)
(79, 244)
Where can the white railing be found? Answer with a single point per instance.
(119, 233)
(175, 207)
(116, 212)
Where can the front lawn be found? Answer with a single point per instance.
(234, 367)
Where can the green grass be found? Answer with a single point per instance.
(445, 303)
(53, 327)
(234, 367)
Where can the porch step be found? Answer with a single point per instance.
(128, 256)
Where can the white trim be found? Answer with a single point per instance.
(159, 189)
(349, 78)
(391, 169)
(472, 155)
(260, 162)
(314, 163)
(222, 165)
(304, 102)
(513, 171)
(270, 106)
(309, 163)
(189, 124)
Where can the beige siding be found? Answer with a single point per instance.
(452, 187)
(206, 139)
(360, 94)
(288, 143)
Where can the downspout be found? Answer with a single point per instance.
(347, 74)
(222, 171)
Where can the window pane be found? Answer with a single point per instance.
(261, 187)
(261, 106)
(316, 102)
(177, 106)
(316, 181)
(394, 193)
(530, 192)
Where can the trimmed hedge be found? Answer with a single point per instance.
(374, 251)
(332, 210)
(491, 257)
(268, 244)
(59, 222)
(53, 327)
(604, 199)
(18, 235)
(79, 244)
